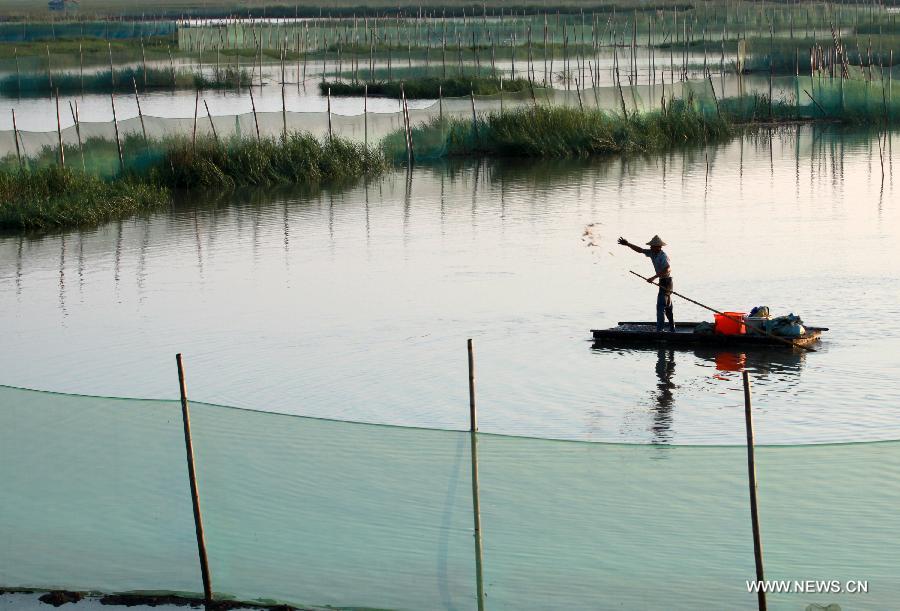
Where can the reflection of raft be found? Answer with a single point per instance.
(644, 333)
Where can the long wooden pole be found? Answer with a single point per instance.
(212, 125)
(140, 113)
(194, 130)
(253, 106)
(16, 137)
(62, 150)
(192, 475)
(476, 505)
(754, 507)
(473, 416)
(732, 318)
(78, 133)
(112, 101)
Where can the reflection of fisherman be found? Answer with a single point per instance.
(664, 272)
(665, 400)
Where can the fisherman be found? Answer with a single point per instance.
(663, 268)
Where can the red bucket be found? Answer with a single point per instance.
(726, 325)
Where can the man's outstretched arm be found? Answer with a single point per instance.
(625, 242)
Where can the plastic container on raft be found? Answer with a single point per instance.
(727, 325)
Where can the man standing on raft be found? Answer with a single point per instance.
(663, 268)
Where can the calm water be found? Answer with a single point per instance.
(356, 304)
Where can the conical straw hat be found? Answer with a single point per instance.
(656, 241)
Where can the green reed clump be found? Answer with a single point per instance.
(542, 131)
(120, 81)
(428, 87)
(53, 197)
(42, 196)
(297, 158)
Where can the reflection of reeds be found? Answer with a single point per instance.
(120, 80)
(42, 195)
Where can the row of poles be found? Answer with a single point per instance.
(476, 505)
(659, 26)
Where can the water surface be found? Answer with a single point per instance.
(357, 303)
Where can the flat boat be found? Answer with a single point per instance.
(632, 333)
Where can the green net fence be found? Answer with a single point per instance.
(318, 512)
(792, 98)
(45, 31)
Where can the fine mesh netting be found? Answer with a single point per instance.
(30, 31)
(321, 512)
(801, 97)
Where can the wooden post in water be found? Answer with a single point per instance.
(49, 72)
(212, 125)
(16, 137)
(366, 114)
(140, 114)
(476, 505)
(474, 116)
(192, 475)
(62, 151)
(754, 508)
(18, 75)
(74, 112)
(112, 100)
(112, 72)
(253, 106)
(194, 129)
(330, 134)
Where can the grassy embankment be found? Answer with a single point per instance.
(43, 197)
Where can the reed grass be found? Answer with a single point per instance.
(120, 81)
(542, 131)
(426, 87)
(43, 196)
(53, 197)
(297, 158)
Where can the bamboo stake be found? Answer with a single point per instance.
(49, 73)
(140, 114)
(62, 150)
(18, 76)
(112, 72)
(330, 134)
(112, 100)
(253, 107)
(283, 102)
(194, 130)
(16, 137)
(192, 476)
(474, 116)
(366, 115)
(211, 124)
(754, 507)
(476, 504)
